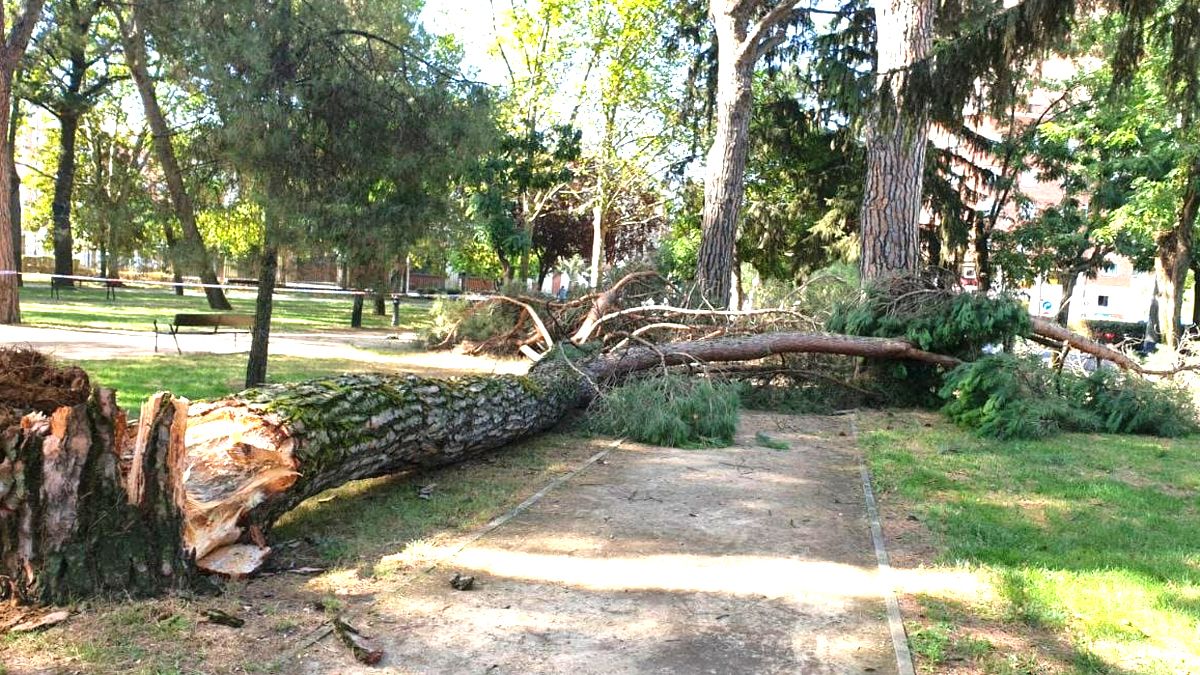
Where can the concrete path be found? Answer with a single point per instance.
(404, 352)
(738, 560)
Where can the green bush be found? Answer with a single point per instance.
(1115, 331)
(672, 410)
(1005, 396)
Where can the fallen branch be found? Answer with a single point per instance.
(752, 347)
(364, 651)
(685, 311)
(605, 302)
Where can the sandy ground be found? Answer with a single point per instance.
(403, 352)
(737, 560)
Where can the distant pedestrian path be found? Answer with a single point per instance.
(397, 350)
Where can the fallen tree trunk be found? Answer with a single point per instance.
(85, 514)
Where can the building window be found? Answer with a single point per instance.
(1102, 300)
(1109, 269)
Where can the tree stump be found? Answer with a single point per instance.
(79, 515)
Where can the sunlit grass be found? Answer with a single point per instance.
(138, 308)
(203, 376)
(1089, 538)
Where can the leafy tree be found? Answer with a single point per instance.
(629, 98)
(112, 206)
(803, 184)
(192, 254)
(70, 67)
(517, 185)
(332, 116)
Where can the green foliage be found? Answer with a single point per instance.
(933, 319)
(1115, 331)
(1005, 397)
(1127, 404)
(773, 443)
(472, 324)
(1010, 397)
(673, 410)
(959, 324)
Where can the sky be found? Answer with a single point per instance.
(470, 21)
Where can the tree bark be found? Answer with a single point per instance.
(256, 365)
(597, 231)
(64, 186)
(1173, 259)
(82, 516)
(11, 52)
(14, 195)
(1069, 280)
(896, 142)
(725, 168)
(192, 251)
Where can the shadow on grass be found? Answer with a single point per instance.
(1089, 538)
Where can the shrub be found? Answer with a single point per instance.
(1005, 396)
(1112, 332)
(672, 410)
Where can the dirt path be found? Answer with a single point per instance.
(367, 347)
(654, 560)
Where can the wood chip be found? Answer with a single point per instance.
(223, 618)
(44, 621)
(364, 651)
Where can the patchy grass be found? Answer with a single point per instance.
(138, 308)
(1087, 546)
(203, 376)
(362, 532)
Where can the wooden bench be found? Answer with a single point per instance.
(240, 323)
(110, 286)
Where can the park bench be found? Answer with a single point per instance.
(110, 286)
(239, 323)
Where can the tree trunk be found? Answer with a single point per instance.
(725, 168)
(10, 304)
(14, 195)
(1196, 291)
(256, 366)
(173, 254)
(11, 52)
(597, 231)
(193, 252)
(983, 254)
(1173, 259)
(1069, 281)
(896, 141)
(64, 186)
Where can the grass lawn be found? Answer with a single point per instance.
(137, 308)
(1085, 548)
(203, 376)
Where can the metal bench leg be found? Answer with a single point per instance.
(175, 336)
